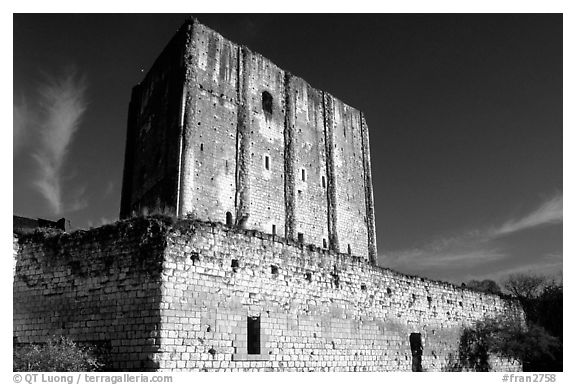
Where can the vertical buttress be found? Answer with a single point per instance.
(242, 198)
(370, 218)
(328, 107)
(289, 121)
(190, 90)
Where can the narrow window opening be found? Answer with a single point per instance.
(303, 175)
(363, 287)
(235, 265)
(416, 348)
(267, 102)
(195, 257)
(336, 278)
(273, 229)
(301, 237)
(201, 146)
(349, 250)
(324, 243)
(229, 222)
(323, 181)
(267, 162)
(389, 291)
(309, 277)
(253, 335)
(274, 269)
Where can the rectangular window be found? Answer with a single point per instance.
(267, 102)
(253, 335)
(267, 162)
(416, 348)
(323, 181)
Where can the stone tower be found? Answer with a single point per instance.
(220, 133)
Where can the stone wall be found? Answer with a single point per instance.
(348, 177)
(101, 287)
(309, 163)
(180, 296)
(153, 142)
(15, 251)
(208, 184)
(249, 143)
(318, 310)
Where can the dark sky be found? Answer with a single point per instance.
(465, 117)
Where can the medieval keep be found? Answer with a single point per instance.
(266, 259)
(219, 133)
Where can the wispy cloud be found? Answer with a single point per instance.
(62, 104)
(477, 247)
(454, 252)
(550, 265)
(21, 119)
(109, 189)
(549, 212)
(76, 200)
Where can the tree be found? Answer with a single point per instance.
(550, 309)
(524, 286)
(485, 286)
(541, 300)
(505, 337)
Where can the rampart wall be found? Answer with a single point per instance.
(101, 287)
(182, 296)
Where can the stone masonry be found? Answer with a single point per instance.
(220, 133)
(190, 295)
(265, 260)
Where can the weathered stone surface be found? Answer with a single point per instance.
(101, 286)
(217, 130)
(219, 133)
(168, 297)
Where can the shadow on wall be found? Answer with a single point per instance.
(108, 298)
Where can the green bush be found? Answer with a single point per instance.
(508, 338)
(59, 354)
